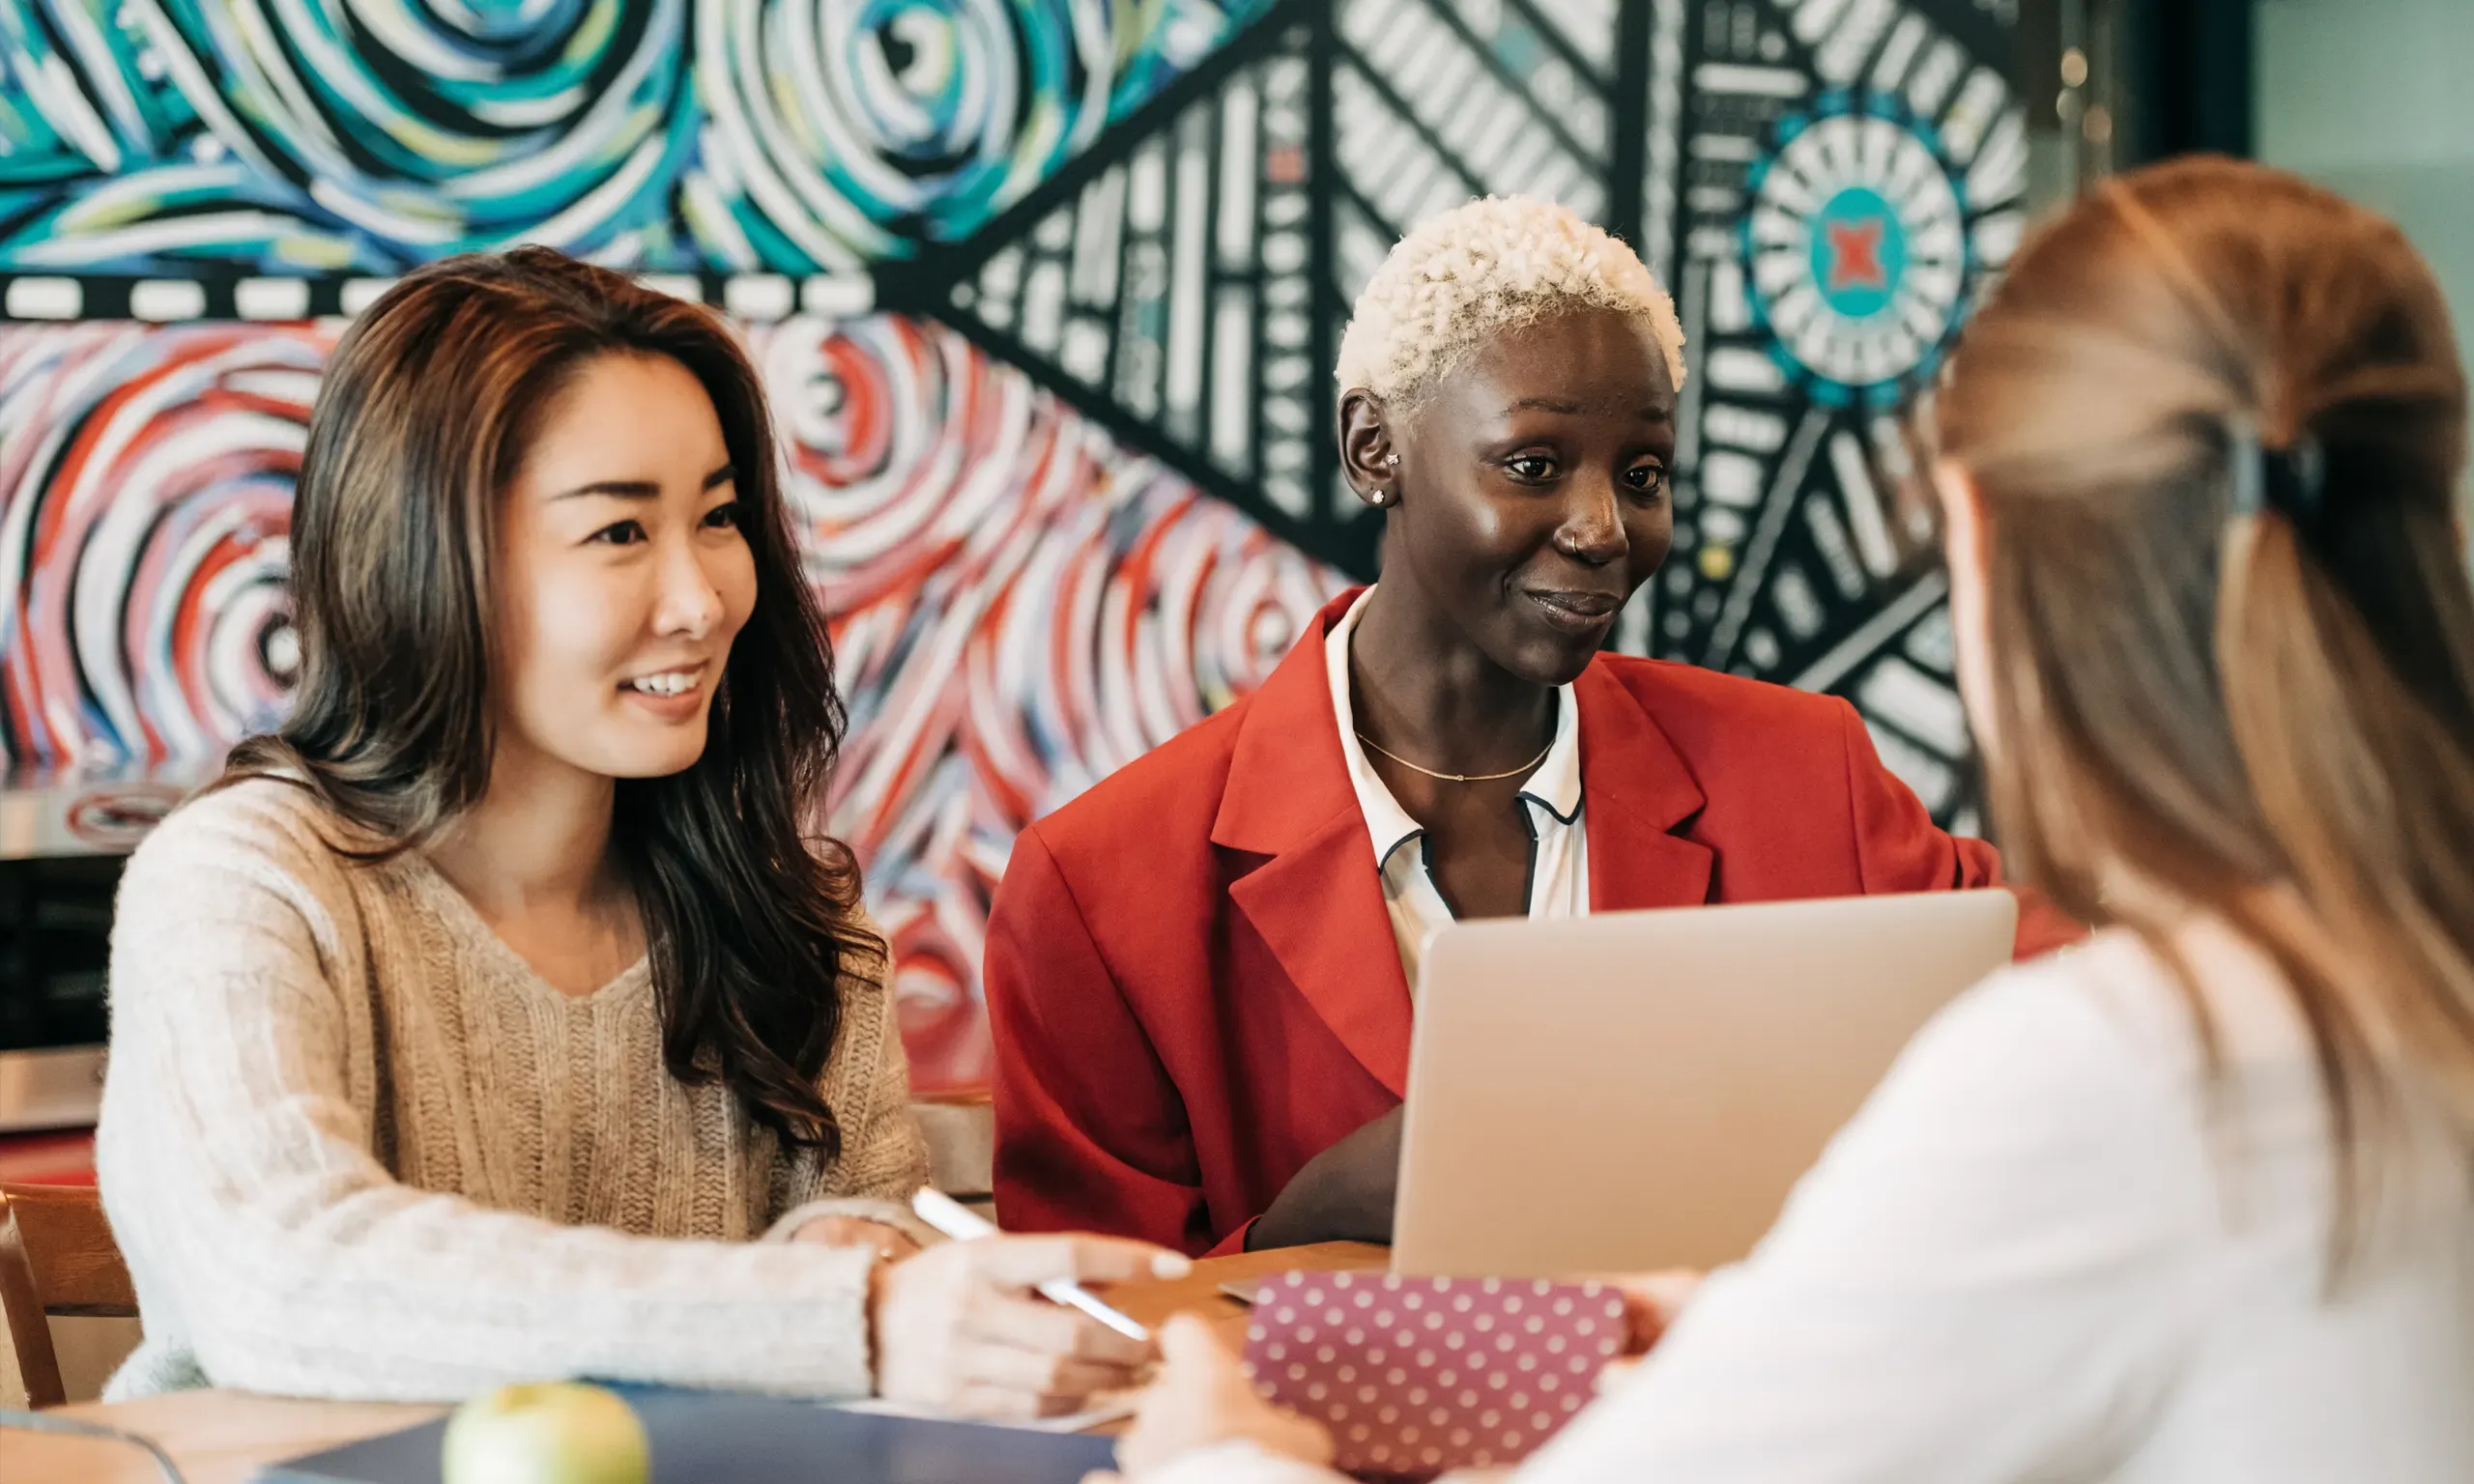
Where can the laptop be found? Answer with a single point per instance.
(1640, 1090)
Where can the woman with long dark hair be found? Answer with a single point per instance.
(505, 1015)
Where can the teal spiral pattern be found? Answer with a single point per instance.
(364, 136)
(841, 129)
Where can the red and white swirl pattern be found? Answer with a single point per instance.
(1020, 605)
(145, 517)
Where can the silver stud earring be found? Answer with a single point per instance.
(1377, 497)
(1393, 459)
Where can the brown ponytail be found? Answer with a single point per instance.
(2216, 420)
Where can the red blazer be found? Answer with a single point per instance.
(1191, 978)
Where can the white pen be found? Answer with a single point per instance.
(964, 1224)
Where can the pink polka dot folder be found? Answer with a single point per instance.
(1418, 1376)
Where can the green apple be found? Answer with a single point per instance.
(555, 1433)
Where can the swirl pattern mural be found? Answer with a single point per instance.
(146, 479)
(1105, 225)
(841, 129)
(1021, 606)
(362, 136)
(996, 569)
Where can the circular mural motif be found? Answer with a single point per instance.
(1857, 246)
(117, 818)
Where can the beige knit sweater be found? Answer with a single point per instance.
(354, 1146)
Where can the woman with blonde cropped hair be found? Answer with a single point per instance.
(1200, 974)
(2191, 1203)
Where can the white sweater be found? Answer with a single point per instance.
(2035, 1256)
(352, 1146)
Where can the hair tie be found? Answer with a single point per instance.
(2287, 480)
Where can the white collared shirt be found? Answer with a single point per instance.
(1550, 800)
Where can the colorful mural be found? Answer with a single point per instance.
(283, 136)
(1046, 292)
(1827, 185)
(148, 483)
(1020, 605)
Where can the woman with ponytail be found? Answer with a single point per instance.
(2192, 1202)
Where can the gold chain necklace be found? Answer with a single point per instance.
(1460, 777)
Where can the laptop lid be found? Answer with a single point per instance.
(1640, 1090)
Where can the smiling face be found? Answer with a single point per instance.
(622, 573)
(1532, 492)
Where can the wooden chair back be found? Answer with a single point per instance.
(57, 1257)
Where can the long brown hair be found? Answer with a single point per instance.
(2216, 420)
(422, 421)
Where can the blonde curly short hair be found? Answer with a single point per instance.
(1466, 275)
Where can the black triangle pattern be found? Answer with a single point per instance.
(1827, 185)
(1175, 282)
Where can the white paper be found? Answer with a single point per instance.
(1112, 1410)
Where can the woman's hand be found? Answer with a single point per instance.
(1203, 1397)
(1651, 1300)
(1344, 1194)
(890, 1242)
(958, 1328)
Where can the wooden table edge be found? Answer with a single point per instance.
(225, 1436)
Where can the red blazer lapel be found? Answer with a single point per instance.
(1635, 791)
(1317, 903)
